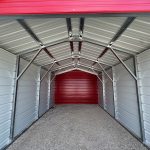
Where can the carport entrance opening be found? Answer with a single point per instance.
(107, 40)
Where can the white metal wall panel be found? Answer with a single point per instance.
(109, 100)
(44, 94)
(144, 79)
(27, 98)
(7, 74)
(126, 98)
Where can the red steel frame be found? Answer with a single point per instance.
(20, 7)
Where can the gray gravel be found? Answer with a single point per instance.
(76, 127)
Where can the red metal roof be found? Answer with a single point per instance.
(8, 7)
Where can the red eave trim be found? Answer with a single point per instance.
(14, 7)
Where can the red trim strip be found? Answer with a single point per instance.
(11, 7)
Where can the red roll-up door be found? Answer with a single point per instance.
(76, 87)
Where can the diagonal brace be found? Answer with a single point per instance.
(105, 71)
(28, 65)
(47, 71)
(121, 61)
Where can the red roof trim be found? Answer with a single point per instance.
(14, 7)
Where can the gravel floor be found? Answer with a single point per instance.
(76, 127)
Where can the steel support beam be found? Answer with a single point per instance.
(50, 55)
(58, 60)
(69, 28)
(14, 100)
(28, 51)
(89, 67)
(117, 49)
(114, 92)
(62, 67)
(81, 28)
(105, 71)
(73, 68)
(104, 91)
(126, 24)
(28, 65)
(38, 89)
(34, 36)
(95, 61)
(82, 57)
(69, 65)
(125, 66)
(47, 71)
(139, 100)
(29, 30)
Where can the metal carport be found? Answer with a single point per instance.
(40, 39)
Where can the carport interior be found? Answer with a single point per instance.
(35, 51)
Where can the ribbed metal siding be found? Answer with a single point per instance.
(109, 101)
(44, 94)
(7, 74)
(144, 77)
(27, 98)
(126, 98)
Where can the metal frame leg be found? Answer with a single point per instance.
(14, 103)
(139, 101)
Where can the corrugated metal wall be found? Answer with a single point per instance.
(44, 93)
(7, 75)
(27, 98)
(126, 98)
(108, 91)
(76, 87)
(144, 83)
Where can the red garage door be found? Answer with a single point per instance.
(76, 87)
